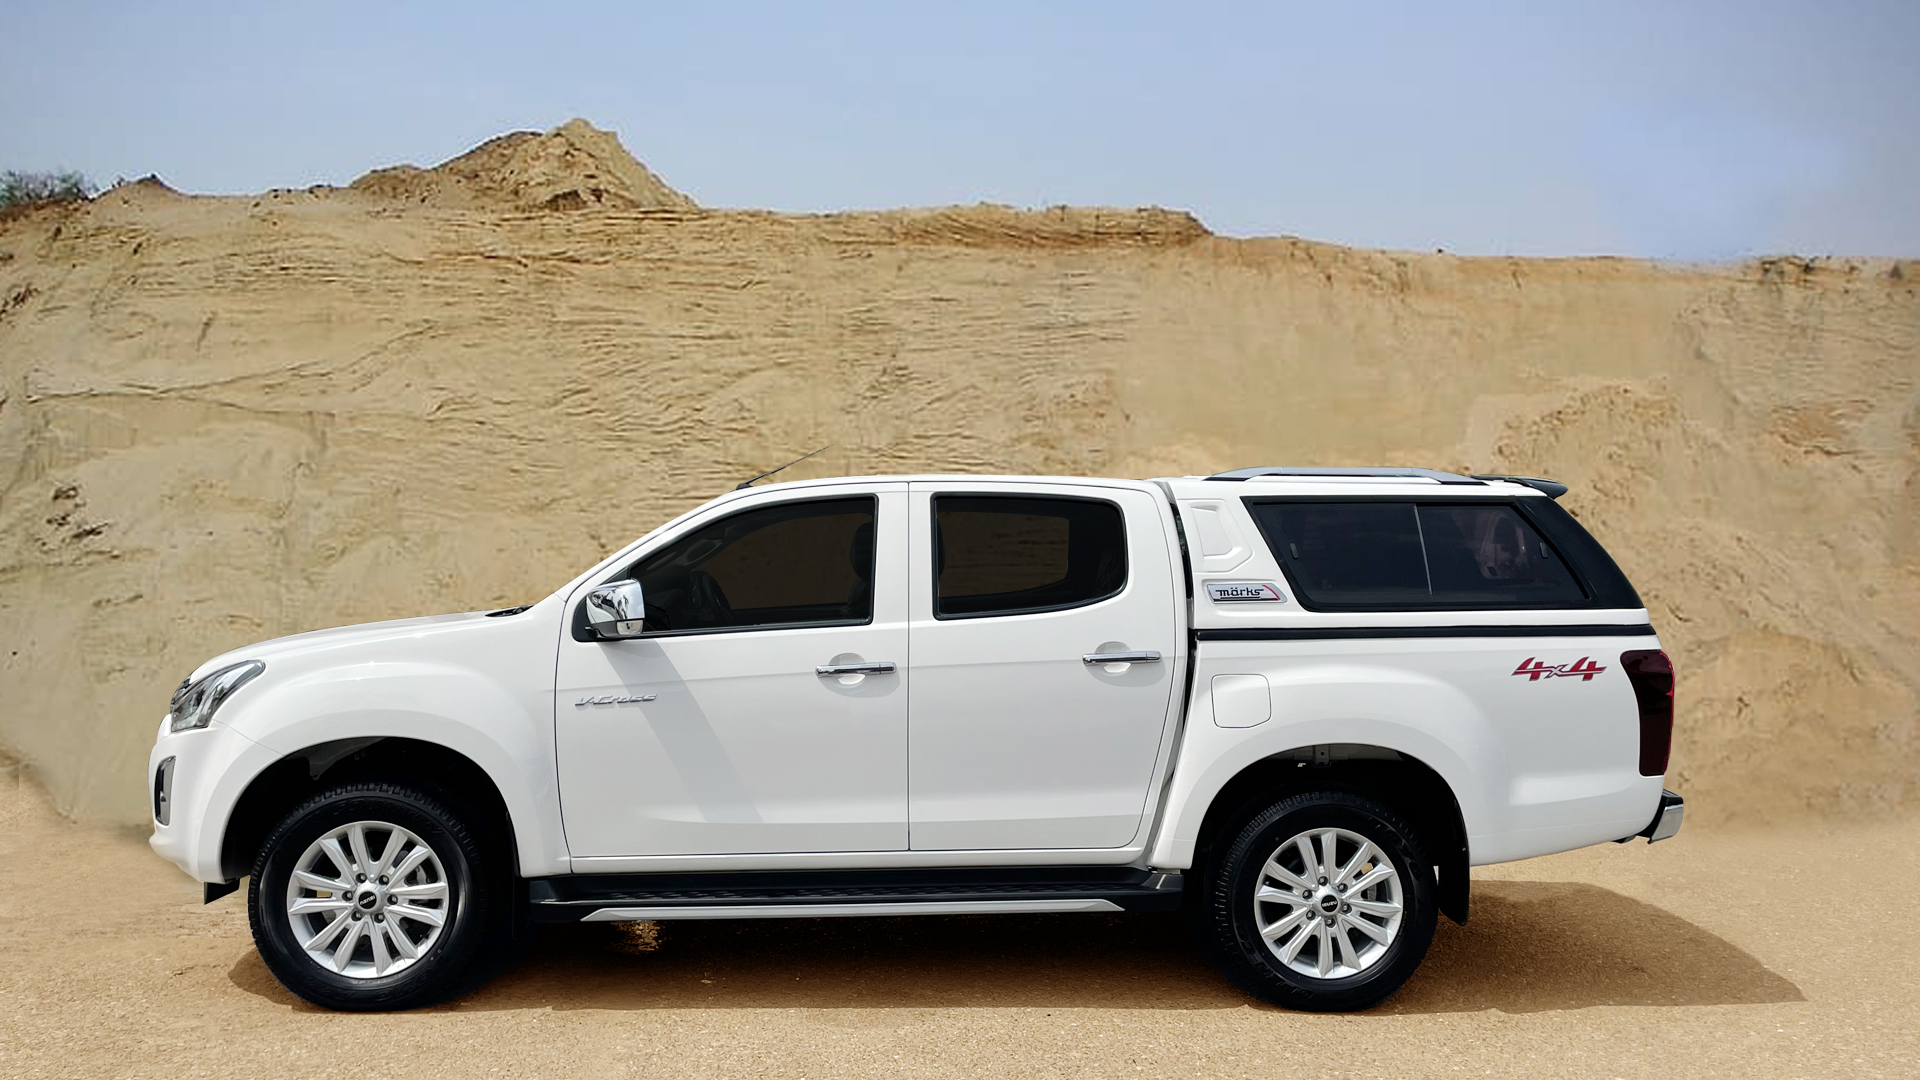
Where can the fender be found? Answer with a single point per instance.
(508, 734)
(1320, 703)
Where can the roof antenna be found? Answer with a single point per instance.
(788, 465)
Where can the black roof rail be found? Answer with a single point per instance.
(1370, 470)
(1553, 488)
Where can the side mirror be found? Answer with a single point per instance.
(617, 611)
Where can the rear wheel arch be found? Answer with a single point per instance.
(437, 770)
(1396, 779)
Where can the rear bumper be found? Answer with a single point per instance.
(1666, 820)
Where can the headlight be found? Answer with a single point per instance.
(195, 702)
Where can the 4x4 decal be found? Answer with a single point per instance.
(1534, 670)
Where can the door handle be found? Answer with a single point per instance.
(1146, 656)
(870, 667)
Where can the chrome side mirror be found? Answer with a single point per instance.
(617, 611)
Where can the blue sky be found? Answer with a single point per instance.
(1700, 130)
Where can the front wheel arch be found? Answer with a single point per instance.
(297, 777)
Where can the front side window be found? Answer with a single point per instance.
(1383, 556)
(793, 564)
(1017, 554)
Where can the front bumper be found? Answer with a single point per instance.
(1666, 820)
(200, 772)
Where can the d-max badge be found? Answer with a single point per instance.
(1245, 592)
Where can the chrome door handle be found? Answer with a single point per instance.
(1147, 656)
(872, 667)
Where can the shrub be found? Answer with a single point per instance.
(18, 189)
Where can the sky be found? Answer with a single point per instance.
(1694, 131)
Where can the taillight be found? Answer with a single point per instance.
(1651, 674)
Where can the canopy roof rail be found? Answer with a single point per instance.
(1552, 487)
(1368, 470)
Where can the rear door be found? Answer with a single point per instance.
(1015, 738)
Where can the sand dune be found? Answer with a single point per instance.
(224, 419)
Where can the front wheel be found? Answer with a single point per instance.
(372, 896)
(1323, 902)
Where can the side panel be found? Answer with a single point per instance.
(1537, 765)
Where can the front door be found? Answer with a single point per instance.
(715, 733)
(1015, 739)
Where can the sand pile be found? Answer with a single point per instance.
(223, 419)
(576, 166)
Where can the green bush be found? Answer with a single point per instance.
(19, 189)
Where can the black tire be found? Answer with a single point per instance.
(475, 911)
(1227, 917)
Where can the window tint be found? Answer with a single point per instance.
(804, 563)
(1382, 556)
(1000, 555)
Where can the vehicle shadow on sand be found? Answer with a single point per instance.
(1530, 947)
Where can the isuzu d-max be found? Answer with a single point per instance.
(1297, 703)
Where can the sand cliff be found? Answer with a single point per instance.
(224, 419)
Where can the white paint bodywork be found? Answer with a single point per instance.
(992, 745)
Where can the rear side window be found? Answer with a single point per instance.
(1383, 556)
(1010, 555)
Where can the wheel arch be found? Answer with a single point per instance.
(1392, 777)
(437, 770)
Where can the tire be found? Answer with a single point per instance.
(303, 928)
(1322, 959)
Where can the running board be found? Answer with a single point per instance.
(827, 911)
(805, 894)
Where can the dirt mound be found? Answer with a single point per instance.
(576, 166)
(224, 419)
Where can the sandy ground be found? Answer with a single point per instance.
(1779, 954)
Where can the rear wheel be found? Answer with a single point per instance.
(372, 896)
(1323, 902)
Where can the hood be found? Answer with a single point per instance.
(314, 641)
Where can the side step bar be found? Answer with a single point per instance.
(808, 894)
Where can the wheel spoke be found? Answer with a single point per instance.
(1293, 919)
(387, 851)
(1304, 844)
(1374, 907)
(325, 938)
(1370, 928)
(1347, 956)
(320, 884)
(401, 941)
(1329, 866)
(314, 905)
(377, 934)
(1371, 878)
(407, 865)
(432, 890)
(341, 860)
(1359, 859)
(417, 914)
(1273, 869)
(1292, 949)
(357, 839)
(1320, 930)
(343, 954)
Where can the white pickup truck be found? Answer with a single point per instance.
(1297, 703)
